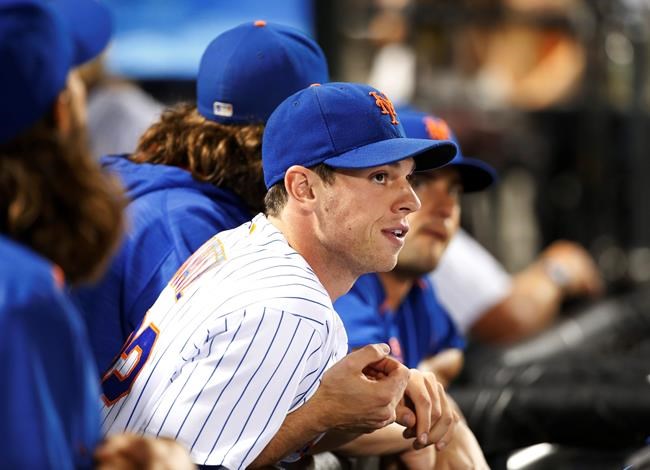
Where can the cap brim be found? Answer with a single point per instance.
(428, 154)
(475, 175)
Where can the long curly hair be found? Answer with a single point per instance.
(227, 156)
(55, 199)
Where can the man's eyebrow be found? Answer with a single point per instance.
(397, 163)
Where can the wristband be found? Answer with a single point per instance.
(557, 273)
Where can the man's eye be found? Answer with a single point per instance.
(415, 180)
(379, 178)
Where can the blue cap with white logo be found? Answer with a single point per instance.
(247, 71)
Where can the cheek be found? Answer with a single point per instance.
(455, 218)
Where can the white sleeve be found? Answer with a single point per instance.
(469, 281)
(232, 394)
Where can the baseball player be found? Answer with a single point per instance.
(245, 330)
(48, 418)
(400, 307)
(196, 171)
(55, 205)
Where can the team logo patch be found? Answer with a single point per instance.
(222, 109)
(210, 255)
(385, 105)
(437, 128)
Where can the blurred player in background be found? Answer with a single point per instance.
(59, 217)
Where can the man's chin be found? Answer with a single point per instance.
(414, 270)
(387, 267)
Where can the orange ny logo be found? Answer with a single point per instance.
(386, 106)
(437, 128)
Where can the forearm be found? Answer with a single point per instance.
(298, 429)
(532, 305)
(385, 441)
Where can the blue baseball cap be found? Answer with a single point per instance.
(475, 175)
(91, 24)
(38, 47)
(247, 71)
(35, 56)
(344, 125)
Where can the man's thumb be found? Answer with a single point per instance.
(369, 354)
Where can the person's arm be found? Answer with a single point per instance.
(389, 442)
(375, 384)
(386, 441)
(347, 401)
(563, 270)
(461, 452)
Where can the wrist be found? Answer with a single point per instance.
(319, 413)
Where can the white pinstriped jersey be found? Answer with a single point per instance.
(239, 338)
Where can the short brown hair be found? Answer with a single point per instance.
(227, 156)
(276, 197)
(55, 199)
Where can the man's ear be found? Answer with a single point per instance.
(298, 182)
(63, 112)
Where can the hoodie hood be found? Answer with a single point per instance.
(141, 179)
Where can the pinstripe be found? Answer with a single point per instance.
(276, 405)
(248, 384)
(314, 382)
(180, 428)
(144, 388)
(214, 336)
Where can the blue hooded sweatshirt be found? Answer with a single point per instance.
(170, 216)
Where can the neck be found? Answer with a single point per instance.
(396, 288)
(336, 279)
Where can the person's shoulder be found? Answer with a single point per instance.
(31, 290)
(24, 273)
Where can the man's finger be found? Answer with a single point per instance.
(420, 396)
(386, 366)
(444, 426)
(368, 354)
(405, 416)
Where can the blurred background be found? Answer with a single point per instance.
(553, 93)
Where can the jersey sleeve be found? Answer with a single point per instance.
(469, 280)
(234, 389)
